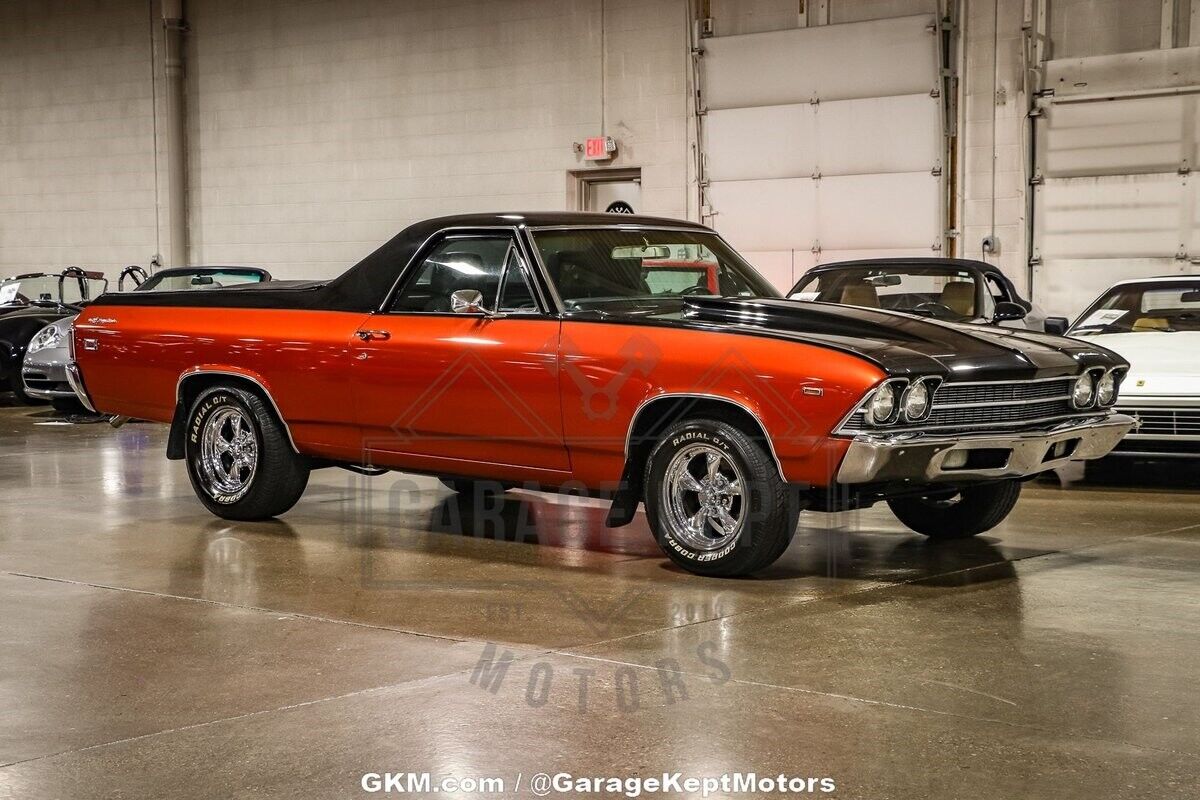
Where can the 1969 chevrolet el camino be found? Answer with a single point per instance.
(539, 349)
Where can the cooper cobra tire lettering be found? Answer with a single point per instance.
(771, 511)
(280, 474)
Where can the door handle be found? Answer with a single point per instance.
(367, 336)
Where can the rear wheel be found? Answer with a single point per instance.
(958, 514)
(239, 459)
(715, 500)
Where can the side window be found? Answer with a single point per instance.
(996, 290)
(458, 262)
(515, 294)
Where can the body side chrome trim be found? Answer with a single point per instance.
(702, 396)
(195, 371)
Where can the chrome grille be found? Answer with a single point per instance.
(978, 407)
(1002, 392)
(1165, 421)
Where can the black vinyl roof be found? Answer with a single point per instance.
(359, 287)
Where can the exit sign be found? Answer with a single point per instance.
(599, 148)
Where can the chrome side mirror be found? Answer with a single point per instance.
(467, 301)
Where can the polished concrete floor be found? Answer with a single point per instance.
(149, 650)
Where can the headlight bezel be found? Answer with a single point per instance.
(890, 390)
(1113, 380)
(48, 337)
(1089, 380)
(926, 385)
(899, 392)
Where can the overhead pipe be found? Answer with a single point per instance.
(174, 26)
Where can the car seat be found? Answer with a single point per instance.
(959, 297)
(1151, 324)
(860, 294)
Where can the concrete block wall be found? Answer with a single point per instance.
(319, 129)
(77, 171)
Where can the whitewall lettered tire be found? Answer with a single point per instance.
(239, 459)
(715, 500)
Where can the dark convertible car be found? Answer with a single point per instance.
(950, 289)
(29, 303)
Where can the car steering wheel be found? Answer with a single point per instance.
(935, 309)
(694, 290)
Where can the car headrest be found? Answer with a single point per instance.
(959, 296)
(860, 294)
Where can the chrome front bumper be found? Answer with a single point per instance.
(921, 457)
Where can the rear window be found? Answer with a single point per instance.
(190, 281)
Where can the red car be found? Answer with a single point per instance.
(531, 349)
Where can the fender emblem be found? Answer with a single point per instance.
(104, 321)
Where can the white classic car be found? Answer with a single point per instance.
(1155, 324)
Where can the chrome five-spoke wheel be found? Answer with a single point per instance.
(228, 453)
(702, 497)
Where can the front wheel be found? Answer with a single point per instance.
(958, 514)
(715, 500)
(239, 459)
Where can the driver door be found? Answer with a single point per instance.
(450, 390)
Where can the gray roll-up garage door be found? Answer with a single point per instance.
(1115, 197)
(825, 143)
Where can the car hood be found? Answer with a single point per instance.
(1161, 364)
(902, 344)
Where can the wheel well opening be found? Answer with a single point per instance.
(658, 415)
(192, 386)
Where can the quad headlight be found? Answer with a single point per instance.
(49, 336)
(1083, 393)
(884, 405)
(1106, 389)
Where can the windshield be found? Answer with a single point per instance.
(948, 294)
(606, 269)
(200, 279)
(44, 289)
(1146, 307)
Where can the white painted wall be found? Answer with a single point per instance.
(993, 149)
(77, 181)
(320, 128)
